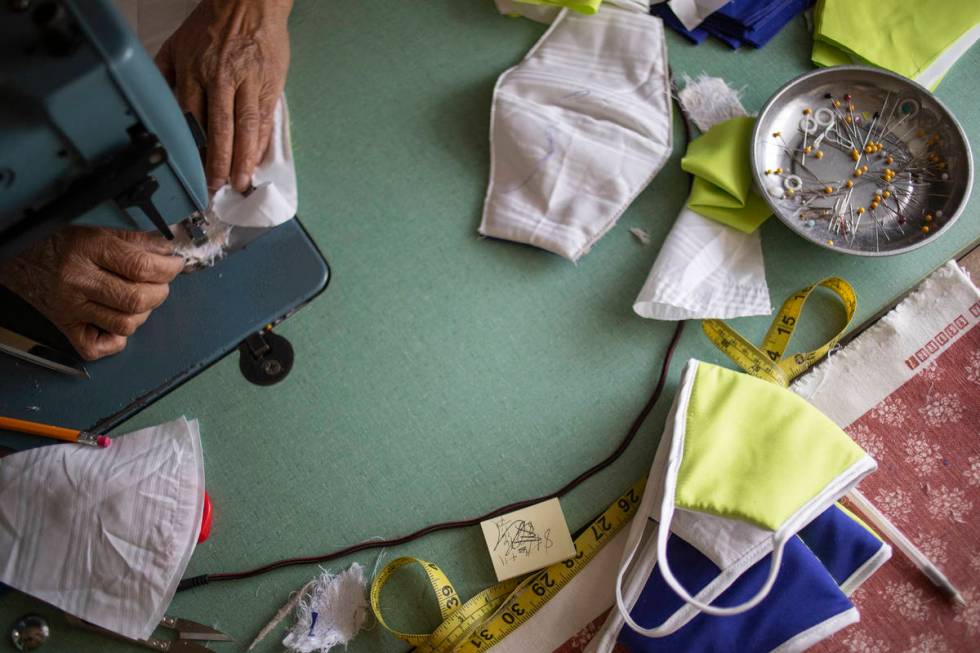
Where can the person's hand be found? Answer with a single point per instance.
(227, 64)
(96, 285)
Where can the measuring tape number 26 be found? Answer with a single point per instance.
(491, 615)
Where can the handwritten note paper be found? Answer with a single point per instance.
(527, 540)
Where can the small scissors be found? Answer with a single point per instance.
(186, 632)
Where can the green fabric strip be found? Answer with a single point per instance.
(905, 37)
(722, 188)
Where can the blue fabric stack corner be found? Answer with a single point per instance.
(740, 22)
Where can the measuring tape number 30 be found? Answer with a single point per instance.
(491, 615)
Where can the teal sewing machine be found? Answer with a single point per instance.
(91, 133)
(90, 130)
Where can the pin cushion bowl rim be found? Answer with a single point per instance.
(787, 92)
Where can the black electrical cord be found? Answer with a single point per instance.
(197, 581)
(204, 579)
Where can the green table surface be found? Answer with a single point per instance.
(442, 375)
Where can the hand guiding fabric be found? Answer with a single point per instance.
(227, 65)
(98, 286)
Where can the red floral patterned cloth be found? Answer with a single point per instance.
(926, 439)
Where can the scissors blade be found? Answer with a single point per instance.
(34, 352)
(188, 629)
(185, 646)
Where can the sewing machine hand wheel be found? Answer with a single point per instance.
(265, 358)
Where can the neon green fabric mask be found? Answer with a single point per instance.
(742, 466)
(587, 7)
(908, 38)
(722, 188)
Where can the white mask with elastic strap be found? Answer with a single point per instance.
(578, 129)
(743, 465)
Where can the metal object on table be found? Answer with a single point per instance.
(35, 352)
(30, 633)
(894, 169)
(187, 631)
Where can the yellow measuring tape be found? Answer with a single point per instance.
(495, 612)
(768, 362)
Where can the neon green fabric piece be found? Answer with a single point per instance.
(587, 7)
(754, 451)
(722, 188)
(904, 37)
(824, 54)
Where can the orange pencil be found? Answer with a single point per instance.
(56, 432)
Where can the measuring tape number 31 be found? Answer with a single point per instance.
(491, 615)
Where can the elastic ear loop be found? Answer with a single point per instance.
(663, 532)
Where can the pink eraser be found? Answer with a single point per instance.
(103, 441)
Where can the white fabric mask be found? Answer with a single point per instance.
(578, 129)
(706, 269)
(104, 534)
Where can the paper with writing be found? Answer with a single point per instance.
(527, 540)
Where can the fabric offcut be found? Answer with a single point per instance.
(578, 129)
(330, 613)
(722, 189)
(706, 269)
(104, 534)
(920, 40)
(735, 23)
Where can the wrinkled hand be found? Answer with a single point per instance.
(227, 64)
(96, 285)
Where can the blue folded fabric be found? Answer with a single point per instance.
(807, 601)
(844, 546)
(804, 597)
(752, 22)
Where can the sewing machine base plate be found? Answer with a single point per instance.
(208, 314)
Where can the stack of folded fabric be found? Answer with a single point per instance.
(919, 40)
(737, 23)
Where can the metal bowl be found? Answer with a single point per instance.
(861, 161)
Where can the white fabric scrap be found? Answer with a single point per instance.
(330, 614)
(708, 101)
(104, 534)
(692, 13)
(641, 235)
(706, 269)
(206, 255)
(935, 315)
